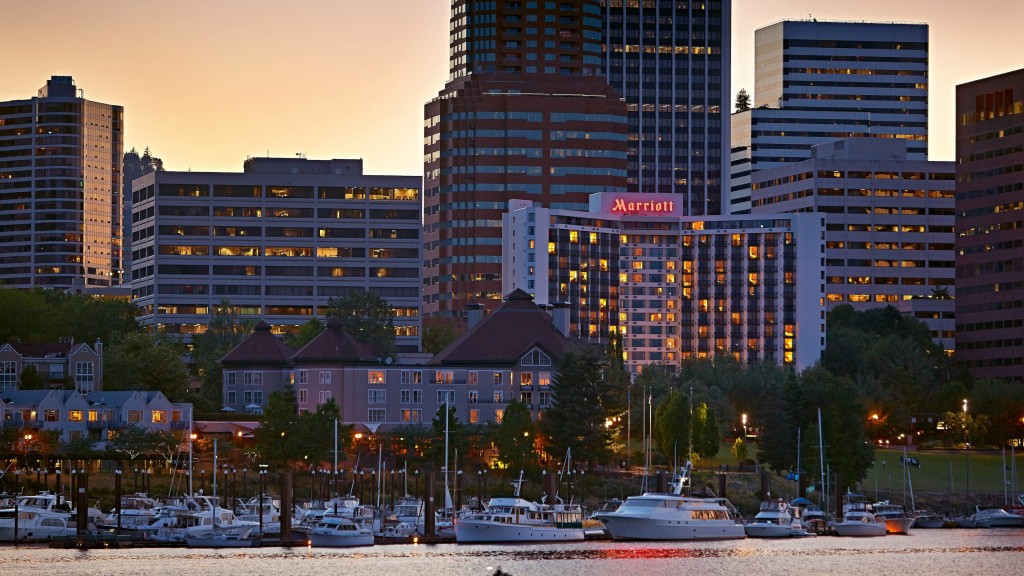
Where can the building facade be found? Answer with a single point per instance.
(55, 366)
(60, 190)
(671, 62)
(675, 287)
(509, 355)
(990, 226)
(888, 218)
(815, 82)
(74, 417)
(277, 241)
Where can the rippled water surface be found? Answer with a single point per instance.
(986, 552)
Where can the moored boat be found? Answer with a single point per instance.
(897, 521)
(995, 517)
(518, 520)
(339, 531)
(859, 519)
(775, 519)
(672, 516)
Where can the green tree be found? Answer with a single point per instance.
(515, 435)
(277, 437)
(25, 316)
(91, 318)
(739, 450)
(711, 436)
(672, 421)
(458, 439)
(438, 333)
(132, 441)
(30, 379)
(140, 361)
(582, 401)
(80, 447)
(307, 332)
(315, 433)
(742, 100)
(368, 318)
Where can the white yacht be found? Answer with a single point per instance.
(137, 510)
(339, 531)
(776, 519)
(195, 516)
(518, 520)
(673, 516)
(897, 521)
(996, 518)
(859, 518)
(40, 518)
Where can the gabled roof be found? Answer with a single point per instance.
(260, 347)
(506, 334)
(42, 349)
(335, 345)
(26, 397)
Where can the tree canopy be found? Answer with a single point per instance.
(515, 436)
(141, 361)
(742, 100)
(368, 318)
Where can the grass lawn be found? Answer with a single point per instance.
(937, 467)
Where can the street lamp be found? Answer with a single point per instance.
(967, 442)
(744, 418)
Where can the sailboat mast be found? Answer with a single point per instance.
(213, 520)
(190, 451)
(821, 455)
(446, 442)
(335, 457)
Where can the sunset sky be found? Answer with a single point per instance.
(206, 84)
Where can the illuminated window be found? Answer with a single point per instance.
(75, 415)
(376, 377)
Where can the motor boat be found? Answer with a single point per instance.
(994, 517)
(339, 531)
(518, 520)
(776, 519)
(859, 518)
(672, 516)
(137, 510)
(195, 516)
(40, 518)
(928, 519)
(897, 521)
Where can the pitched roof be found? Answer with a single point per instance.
(42, 349)
(260, 347)
(506, 334)
(335, 345)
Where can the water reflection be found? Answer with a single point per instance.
(924, 552)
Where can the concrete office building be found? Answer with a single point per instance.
(60, 190)
(525, 114)
(820, 81)
(671, 62)
(277, 241)
(674, 287)
(888, 218)
(990, 226)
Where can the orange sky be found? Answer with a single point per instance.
(207, 83)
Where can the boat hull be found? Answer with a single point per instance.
(767, 530)
(860, 529)
(999, 522)
(899, 525)
(339, 541)
(623, 527)
(214, 542)
(471, 531)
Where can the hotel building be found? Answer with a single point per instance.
(990, 226)
(277, 241)
(671, 61)
(815, 82)
(60, 190)
(888, 218)
(674, 287)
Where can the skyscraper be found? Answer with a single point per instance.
(990, 234)
(816, 82)
(671, 62)
(60, 189)
(525, 114)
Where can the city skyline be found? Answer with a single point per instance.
(281, 82)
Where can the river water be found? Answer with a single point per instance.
(950, 551)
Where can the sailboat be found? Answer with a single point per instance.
(235, 535)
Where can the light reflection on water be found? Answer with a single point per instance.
(924, 552)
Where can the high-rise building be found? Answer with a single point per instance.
(60, 190)
(888, 219)
(525, 114)
(674, 287)
(671, 61)
(815, 82)
(990, 231)
(277, 241)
